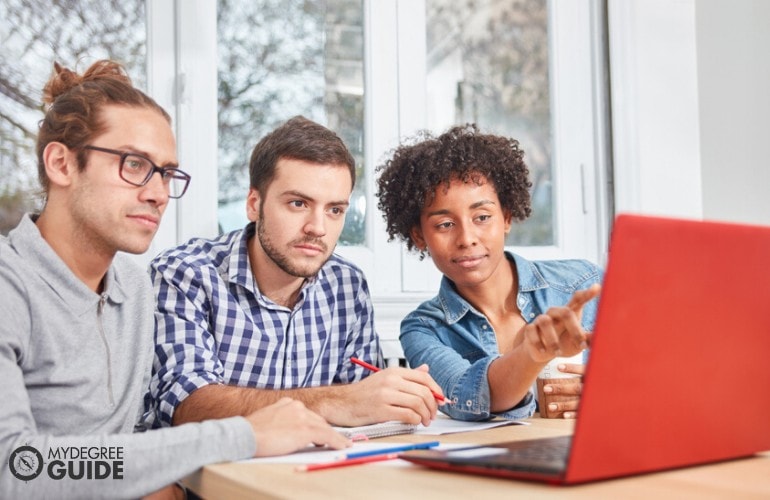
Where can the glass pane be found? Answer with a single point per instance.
(278, 59)
(34, 33)
(487, 63)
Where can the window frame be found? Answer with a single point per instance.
(181, 46)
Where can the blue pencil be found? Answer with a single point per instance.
(393, 449)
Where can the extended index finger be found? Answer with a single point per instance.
(582, 297)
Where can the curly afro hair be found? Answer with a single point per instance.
(409, 179)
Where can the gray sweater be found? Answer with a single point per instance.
(74, 366)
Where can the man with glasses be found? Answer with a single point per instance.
(76, 335)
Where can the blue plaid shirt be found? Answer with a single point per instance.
(214, 326)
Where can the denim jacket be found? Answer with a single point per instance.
(458, 342)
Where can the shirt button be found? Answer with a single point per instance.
(469, 403)
(531, 315)
(483, 327)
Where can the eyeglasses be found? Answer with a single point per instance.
(137, 170)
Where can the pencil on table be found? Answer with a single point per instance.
(346, 462)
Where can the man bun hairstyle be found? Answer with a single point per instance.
(73, 105)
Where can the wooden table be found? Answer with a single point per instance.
(744, 478)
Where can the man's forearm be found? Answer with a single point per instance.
(220, 401)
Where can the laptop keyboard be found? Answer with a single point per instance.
(547, 456)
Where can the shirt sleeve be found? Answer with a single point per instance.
(464, 382)
(136, 464)
(149, 460)
(363, 342)
(185, 347)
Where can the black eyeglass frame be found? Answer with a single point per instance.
(165, 172)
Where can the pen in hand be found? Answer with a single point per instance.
(373, 368)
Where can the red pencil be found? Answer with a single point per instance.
(346, 462)
(373, 368)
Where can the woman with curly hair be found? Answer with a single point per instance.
(498, 318)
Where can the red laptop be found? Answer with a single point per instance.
(678, 370)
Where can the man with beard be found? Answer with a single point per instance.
(269, 311)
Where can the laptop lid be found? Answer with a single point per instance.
(676, 371)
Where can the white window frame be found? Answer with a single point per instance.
(181, 52)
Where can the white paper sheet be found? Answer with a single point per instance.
(445, 425)
(441, 425)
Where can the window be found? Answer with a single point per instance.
(487, 63)
(530, 69)
(33, 34)
(277, 59)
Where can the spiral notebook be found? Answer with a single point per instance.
(390, 428)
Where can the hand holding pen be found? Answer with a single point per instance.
(440, 398)
(395, 393)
